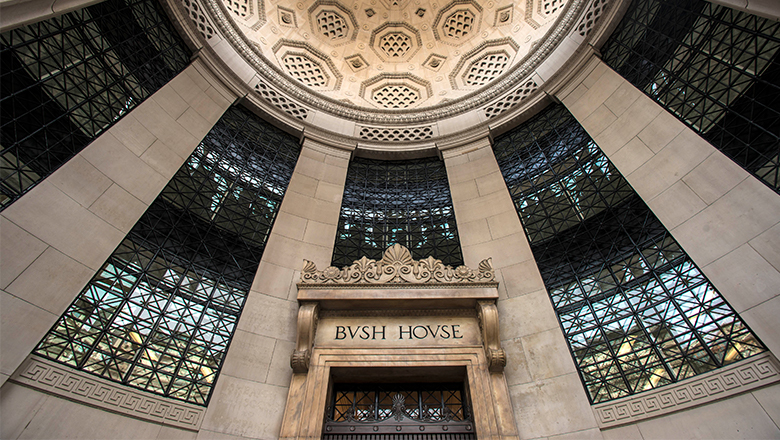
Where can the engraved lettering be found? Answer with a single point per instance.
(382, 333)
(445, 334)
(352, 335)
(424, 332)
(340, 333)
(434, 332)
(401, 332)
(365, 334)
(455, 331)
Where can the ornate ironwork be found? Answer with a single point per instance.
(715, 68)
(398, 409)
(67, 79)
(403, 202)
(397, 267)
(637, 312)
(160, 313)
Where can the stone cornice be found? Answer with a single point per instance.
(397, 268)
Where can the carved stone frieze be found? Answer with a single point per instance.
(60, 380)
(397, 267)
(751, 373)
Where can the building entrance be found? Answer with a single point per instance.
(398, 349)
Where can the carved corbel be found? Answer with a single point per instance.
(488, 323)
(307, 326)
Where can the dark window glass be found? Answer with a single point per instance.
(67, 79)
(376, 411)
(636, 311)
(160, 313)
(715, 68)
(405, 202)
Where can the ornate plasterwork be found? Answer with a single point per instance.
(57, 379)
(443, 106)
(397, 267)
(751, 373)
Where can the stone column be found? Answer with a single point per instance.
(763, 8)
(55, 238)
(250, 396)
(547, 394)
(724, 218)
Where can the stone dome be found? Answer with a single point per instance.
(399, 78)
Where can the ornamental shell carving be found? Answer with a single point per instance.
(397, 267)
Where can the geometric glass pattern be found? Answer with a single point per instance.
(714, 68)
(67, 79)
(373, 403)
(160, 313)
(423, 411)
(636, 311)
(405, 202)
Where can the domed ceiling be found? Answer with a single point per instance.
(394, 54)
(374, 72)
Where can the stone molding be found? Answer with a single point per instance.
(746, 375)
(397, 312)
(397, 267)
(60, 380)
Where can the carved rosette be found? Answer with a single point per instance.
(398, 267)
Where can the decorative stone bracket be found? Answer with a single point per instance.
(308, 314)
(487, 312)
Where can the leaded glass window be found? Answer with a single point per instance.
(636, 311)
(714, 68)
(160, 313)
(405, 202)
(66, 80)
(378, 411)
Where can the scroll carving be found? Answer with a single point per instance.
(398, 267)
(488, 323)
(307, 327)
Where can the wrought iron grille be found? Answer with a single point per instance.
(404, 202)
(636, 311)
(385, 410)
(160, 313)
(714, 68)
(67, 79)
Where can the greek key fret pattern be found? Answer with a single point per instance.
(749, 374)
(83, 387)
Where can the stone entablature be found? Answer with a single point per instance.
(397, 267)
